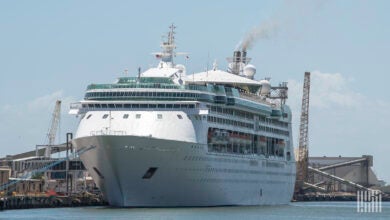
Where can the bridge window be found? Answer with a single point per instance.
(180, 117)
(89, 116)
(138, 116)
(105, 116)
(159, 116)
(125, 116)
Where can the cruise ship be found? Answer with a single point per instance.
(163, 138)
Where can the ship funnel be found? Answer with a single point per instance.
(237, 56)
(243, 57)
(237, 62)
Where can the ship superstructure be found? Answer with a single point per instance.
(165, 138)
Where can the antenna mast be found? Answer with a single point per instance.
(168, 50)
(169, 46)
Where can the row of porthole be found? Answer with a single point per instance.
(196, 146)
(229, 180)
(227, 170)
(241, 181)
(224, 170)
(226, 160)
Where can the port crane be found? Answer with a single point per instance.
(303, 148)
(51, 135)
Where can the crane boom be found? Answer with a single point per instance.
(51, 135)
(304, 126)
(303, 148)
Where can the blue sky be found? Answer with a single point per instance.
(53, 49)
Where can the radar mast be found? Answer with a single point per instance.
(168, 48)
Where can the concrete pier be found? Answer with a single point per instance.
(27, 202)
(312, 197)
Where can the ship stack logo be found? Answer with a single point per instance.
(369, 201)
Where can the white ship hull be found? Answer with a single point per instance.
(185, 173)
(166, 138)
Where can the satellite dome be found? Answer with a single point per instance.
(249, 71)
(265, 87)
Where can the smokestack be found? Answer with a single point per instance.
(236, 62)
(243, 56)
(237, 56)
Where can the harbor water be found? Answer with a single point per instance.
(297, 210)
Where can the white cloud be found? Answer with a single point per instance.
(333, 89)
(327, 90)
(47, 102)
(44, 102)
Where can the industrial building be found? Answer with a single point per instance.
(32, 172)
(353, 169)
(5, 173)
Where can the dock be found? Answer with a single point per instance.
(28, 202)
